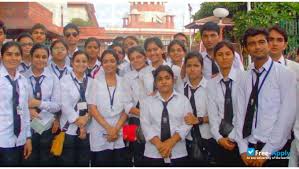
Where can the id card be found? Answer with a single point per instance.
(82, 106)
(167, 160)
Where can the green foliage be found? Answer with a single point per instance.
(81, 22)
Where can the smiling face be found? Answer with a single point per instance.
(128, 43)
(11, 58)
(26, 45)
(39, 59)
(109, 63)
(176, 53)
(119, 51)
(92, 49)
(224, 57)
(59, 52)
(138, 60)
(277, 43)
(164, 82)
(154, 53)
(80, 63)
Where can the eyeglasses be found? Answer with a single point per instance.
(26, 44)
(74, 34)
(59, 49)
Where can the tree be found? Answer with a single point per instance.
(81, 22)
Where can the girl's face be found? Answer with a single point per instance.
(224, 57)
(138, 61)
(39, 35)
(119, 51)
(26, 45)
(164, 82)
(80, 63)
(59, 52)
(193, 68)
(12, 58)
(154, 52)
(39, 59)
(128, 43)
(176, 53)
(92, 49)
(109, 63)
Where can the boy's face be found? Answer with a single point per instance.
(210, 39)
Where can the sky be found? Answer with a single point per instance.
(109, 13)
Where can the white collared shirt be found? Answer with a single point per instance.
(69, 98)
(276, 107)
(134, 85)
(53, 69)
(216, 101)
(50, 91)
(97, 68)
(100, 98)
(200, 97)
(207, 68)
(150, 119)
(69, 57)
(124, 68)
(22, 68)
(8, 138)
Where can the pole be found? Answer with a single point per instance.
(190, 34)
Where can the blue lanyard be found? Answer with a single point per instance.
(259, 89)
(34, 86)
(111, 97)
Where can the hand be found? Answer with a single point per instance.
(190, 119)
(83, 133)
(112, 134)
(247, 161)
(34, 103)
(166, 148)
(259, 161)
(227, 144)
(27, 149)
(81, 121)
(33, 114)
(56, 126)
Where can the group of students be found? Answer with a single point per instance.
(175, 97)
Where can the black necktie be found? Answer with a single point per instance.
(252, 104)
(215, 69)
(37, 90)
(60, 72)
(15, 104)
(82, 90)
(228, 104)
(165, 125)
(195, 129)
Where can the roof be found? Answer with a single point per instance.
(198, 23)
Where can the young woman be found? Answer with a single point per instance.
(134, 83)
(26, 42)
(15, 142)
(222, 95)
(75, 114)
(44, 101)
(123, 65)
(130, 41)
(154, 52)
(176, 52)
(195, 89)
(107, 105)
(162, 122)
(92, 48)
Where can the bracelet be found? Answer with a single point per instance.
(200, 120)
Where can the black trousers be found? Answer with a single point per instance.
(159, 162)
(274, 162)
(110, 158)
(41, 146)
(76, 152)
(11, 157)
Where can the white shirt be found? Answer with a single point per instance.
(200, 97)
(124, 68)
(150, 120)
(134, 85)
(69, 98)
(216, 101)
(55, 69)
(50, 102)
(207, 68)
(69, 57)
(8, 138)
(97, 67)
(276, 107)
(100, 98)
(23, 67)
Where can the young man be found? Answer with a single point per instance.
(266, 104)
(39, 33)
(71, 35)
(210, 36)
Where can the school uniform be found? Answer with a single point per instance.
(222, 107)
(210, 67)
(14, 116)
(91, 72)
(76, 152)
(45, 88)
(267, 126)
(23, 67)
(153, 110)
(58, 72)
(134, 86)
(124, 68)
(110, 102)
(69, 57)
